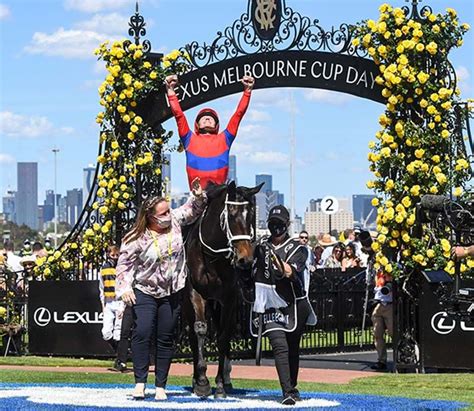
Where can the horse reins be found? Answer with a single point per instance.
(225, 227)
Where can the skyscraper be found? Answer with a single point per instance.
(264, 178)
(9, 209)
(233, 168)
(88, 181)
(48, 207)
(365, 213)
(73, 205)
(27, 195)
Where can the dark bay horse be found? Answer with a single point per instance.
(219, 243)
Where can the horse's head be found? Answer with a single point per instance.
(237, 220)
(240, 205)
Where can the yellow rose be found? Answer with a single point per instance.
(419, 153)
(133, 128)
(375, 202)
(415, 190)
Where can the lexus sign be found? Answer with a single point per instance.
(444, 324)
(42, 317)
(65, 318)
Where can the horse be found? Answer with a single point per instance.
(218, 245)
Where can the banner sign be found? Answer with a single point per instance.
(65, 318)
(308, 69)
(446, 340)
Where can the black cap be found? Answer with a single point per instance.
(279, 212)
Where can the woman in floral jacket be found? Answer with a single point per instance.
(151, 272)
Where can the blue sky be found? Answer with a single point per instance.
(49, 78)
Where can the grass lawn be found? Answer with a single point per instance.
(454, 387)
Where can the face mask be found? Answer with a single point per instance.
(277, 229)
(163, 222)
(113, 261)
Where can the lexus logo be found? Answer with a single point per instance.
(42, 316)
(442, 324)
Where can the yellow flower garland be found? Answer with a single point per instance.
(412, 155)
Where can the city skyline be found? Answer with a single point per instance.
(332, 129)
(356, 210)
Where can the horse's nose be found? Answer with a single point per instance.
(244, 263)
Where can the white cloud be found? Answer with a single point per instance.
(4, 11)
(6, 159)
(94, 6)
(462, 73)
(252, 132)
(257, 115)
(66, 43)
(464, 80)
(326, 96)
(17, 125)
(265, 98)
(274, 158)
(104, 23)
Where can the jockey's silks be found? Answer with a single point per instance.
(207, 155)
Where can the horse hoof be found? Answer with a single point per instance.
(228, 388)
(202, 390)
(220, 393)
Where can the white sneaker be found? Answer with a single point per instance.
(160, 394)
(139, 391)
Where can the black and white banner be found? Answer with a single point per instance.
(446, 340)
(65, 318)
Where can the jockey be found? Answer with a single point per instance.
(207, 150)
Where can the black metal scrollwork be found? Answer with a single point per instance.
(137, 29)
(295, 32)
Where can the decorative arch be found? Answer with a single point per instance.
(270, 40)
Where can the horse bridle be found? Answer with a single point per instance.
(225, 227)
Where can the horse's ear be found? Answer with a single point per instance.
(214, 190)
(249, 192)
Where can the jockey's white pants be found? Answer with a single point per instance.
(112, 320)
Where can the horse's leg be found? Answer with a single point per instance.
(201, 386)
(225, 331)
(189, 315)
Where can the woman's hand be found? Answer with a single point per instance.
(196, 187)
(129, 298)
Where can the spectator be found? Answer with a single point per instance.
(318, 252)
(304, 239)
(349, 236)
(350, 260)
(26, 250)
(382, 317)
(38, 250)
(335, 259)
(327, 241)
(48, 246)
(111, 307)
(28, 262)
(13, 261)
(150, 275)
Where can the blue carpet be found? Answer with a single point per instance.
(85, 397)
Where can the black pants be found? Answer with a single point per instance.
(286, 350)
(154, 317)
(125, 335)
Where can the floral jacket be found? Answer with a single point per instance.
(155, 263)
